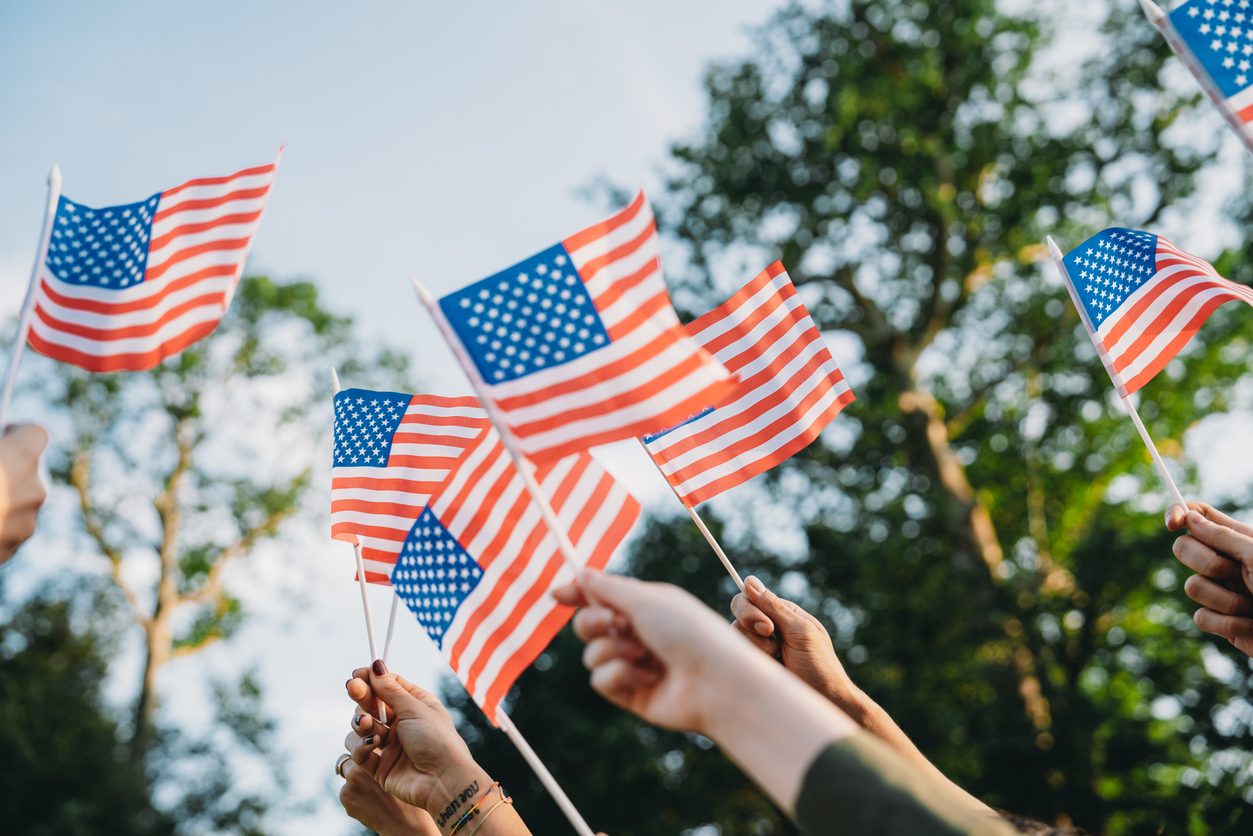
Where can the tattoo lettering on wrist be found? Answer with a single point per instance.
(471, 790)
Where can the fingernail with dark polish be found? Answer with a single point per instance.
(356, 721)
(347, 682)
(369, 741)
(379, 668)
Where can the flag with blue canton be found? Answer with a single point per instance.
(1143, 299)
(391, 451)
(1215, 39)
(121, 288)
(479, 565)
(579, 345)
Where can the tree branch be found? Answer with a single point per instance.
(211, 589)
(80, 480)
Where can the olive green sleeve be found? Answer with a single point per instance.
(858, 786)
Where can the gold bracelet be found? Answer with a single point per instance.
(504, 799)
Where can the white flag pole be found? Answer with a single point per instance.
(1055, 253)
(545, 777)
(1164, 25)
(391, 626)
(567, 549)
(568, 552)
(700, 524)
(28, 304)
(365, 598)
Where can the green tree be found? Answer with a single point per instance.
(180, 473)
(67, 771)
(982, 533)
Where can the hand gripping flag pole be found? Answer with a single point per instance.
(1056, 254)
(1180, 46)
(365, 598)
(506, 435)
(700, 524)
(28, 306)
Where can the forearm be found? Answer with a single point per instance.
(771, 724)
(874, 719)
(479, 807)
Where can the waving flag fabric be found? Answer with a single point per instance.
(789, 389)
(392, 451)
(479, 564)
(1144, 299)
(1219, 36)
(123, 287)
(579, 345)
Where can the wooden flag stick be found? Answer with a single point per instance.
(568, 552)
(700, 524)
(365, 598)
(1164, 25)
(545, 777)
(1055, 253)
(28, 304)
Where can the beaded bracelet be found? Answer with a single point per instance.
(504, 799)
(465, 818)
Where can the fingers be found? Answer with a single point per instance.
(30, 438)
(748, 617)
(404, 699)
(1176, 517)
(364, 724)
(1230, 627)
(768, 645)
(1211, 513)
(360, 692)
(617, 680)
(787, 617)
(1221, 537)
(599, 651)
(571, 595)
(617, 591)
(1216, 597)
(1203, 560)
(593, 622)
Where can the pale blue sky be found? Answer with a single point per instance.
(440, 140)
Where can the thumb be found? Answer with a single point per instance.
(405, 705)
(617, 591)
(1176, 517)
(781, 611)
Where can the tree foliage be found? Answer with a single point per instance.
(181, 472)
(982, 528)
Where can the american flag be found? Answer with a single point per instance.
(789, 389)
(121, 288)
(579, 345)
(391, 452)
(1144, 299)
(479, 564)
(1219, 36)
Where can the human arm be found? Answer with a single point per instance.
(21, 490)
(669, 659)
(1219, 549)
(790, 634)
(419, 757)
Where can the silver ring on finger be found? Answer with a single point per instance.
(339, 765)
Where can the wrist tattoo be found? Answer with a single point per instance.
(458, 801)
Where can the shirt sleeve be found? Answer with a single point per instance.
(858, 786)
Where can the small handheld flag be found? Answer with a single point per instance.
(123, 287)
(1214, 38)
(391, 451)
(789, 389)
(578, 345)
(477, 567)
(1142, 299)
